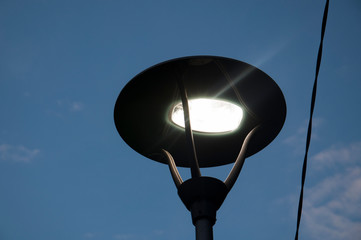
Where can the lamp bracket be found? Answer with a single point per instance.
(203, 196)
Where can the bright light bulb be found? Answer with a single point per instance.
(209, 115)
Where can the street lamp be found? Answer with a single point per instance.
(196, 112)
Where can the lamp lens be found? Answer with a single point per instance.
(209, 115)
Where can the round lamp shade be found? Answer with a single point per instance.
(147, 107)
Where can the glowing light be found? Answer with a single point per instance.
(209, 115)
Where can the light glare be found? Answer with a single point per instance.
(209, 115)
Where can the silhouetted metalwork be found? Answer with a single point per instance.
(142, 109)
(142, 117)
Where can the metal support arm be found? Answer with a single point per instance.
(173, 169)
(203, 196)
(237, 167)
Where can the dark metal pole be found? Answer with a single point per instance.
(203, 196)
(204, 229)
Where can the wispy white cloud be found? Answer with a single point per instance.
(298, 138)
(17, 153)
(123, 236)
(73, 106)
(332, 207)
(89, 235)
(136, 236)
(76, 106)
(335, 156)
(158, 232)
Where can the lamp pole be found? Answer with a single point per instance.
(241, 111)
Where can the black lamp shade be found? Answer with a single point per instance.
(142, 110)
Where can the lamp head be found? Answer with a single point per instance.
(227, 99)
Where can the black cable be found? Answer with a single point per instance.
(309, 130)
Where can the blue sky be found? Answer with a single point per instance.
(66, 174)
